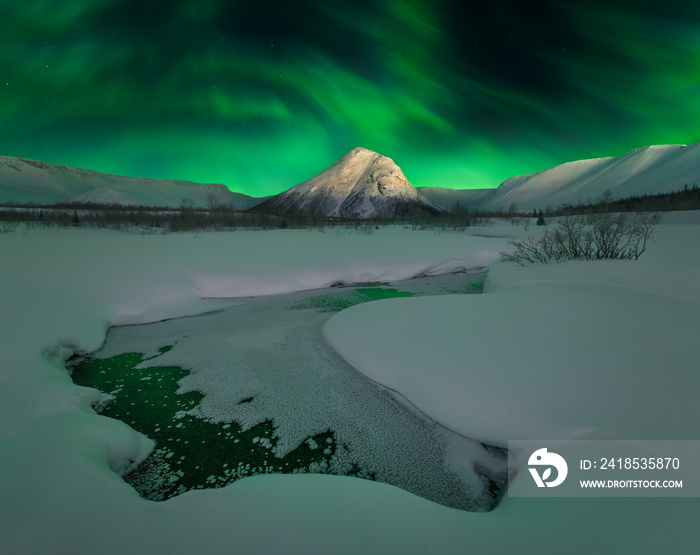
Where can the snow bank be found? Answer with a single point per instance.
(579, 350)
(59, 462)
(571, 350)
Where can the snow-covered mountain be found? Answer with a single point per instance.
(30, 181)
(362, 184)
(646, 170)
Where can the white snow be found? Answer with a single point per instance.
(647, 170)
(578, 350)
(360, 185)
(59, 492)
(32, 181)
(358, 173)
(572, 350)
(363, 182)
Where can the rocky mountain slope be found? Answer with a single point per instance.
(362, 184)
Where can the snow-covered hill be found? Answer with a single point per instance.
(31, 181)
(362, 184)
(646, 170)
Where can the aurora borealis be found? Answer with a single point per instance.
(261, 95)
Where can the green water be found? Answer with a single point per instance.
(337, 301)
(193, 453)
(377, 293)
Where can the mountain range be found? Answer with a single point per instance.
(643, 171)
(24, 181)
(365, 184)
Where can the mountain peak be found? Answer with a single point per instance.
(361, 184)
(359, 155)
(361, 151)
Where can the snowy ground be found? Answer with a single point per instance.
(478, 363)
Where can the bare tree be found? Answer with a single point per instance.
(186, 204)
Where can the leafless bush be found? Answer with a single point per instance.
(592, 237)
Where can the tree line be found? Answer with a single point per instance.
(188, 217)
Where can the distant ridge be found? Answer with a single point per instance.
(643, 171)
(361, 184)
(449, 198)
(25, 181)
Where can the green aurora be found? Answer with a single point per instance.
(261, 95)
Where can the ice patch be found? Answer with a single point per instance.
(266, 360)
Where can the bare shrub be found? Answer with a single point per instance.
(592, 237)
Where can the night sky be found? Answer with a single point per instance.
(261, 95)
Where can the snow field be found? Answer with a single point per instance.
(572, 350)
(59, 291)
(578, 350)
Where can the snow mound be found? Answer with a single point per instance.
(574, 350)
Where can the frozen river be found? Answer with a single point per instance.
(254, 389)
